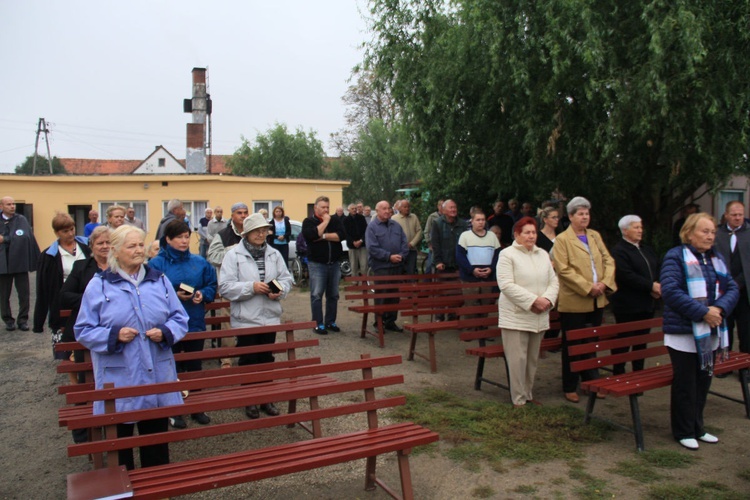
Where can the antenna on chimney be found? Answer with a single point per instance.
(41, 128)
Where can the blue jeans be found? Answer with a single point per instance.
(324, 278)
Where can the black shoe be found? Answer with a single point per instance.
(269, 409)
(393, 327)
(722, 375)
(24, 327)
(320, 330)
(10, 326)
(252, 412)
(201, 418)
(177, 422)
(333, 327)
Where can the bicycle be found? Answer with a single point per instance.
(300, 273)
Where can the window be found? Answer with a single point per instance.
(726, 196)
(194, 210)
(141, 210)
(162, 162)
(266, 204)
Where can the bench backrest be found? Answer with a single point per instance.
(600, 340)
(237, 391)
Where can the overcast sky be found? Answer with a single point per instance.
(110, 77)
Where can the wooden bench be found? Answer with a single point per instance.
(595, 347)
(484, 351)
(326, 386)
(411, 297)
(433, 327)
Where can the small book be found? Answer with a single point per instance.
(275, 286)
(186, 288)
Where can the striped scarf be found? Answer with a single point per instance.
(259, 255)
(698, 290)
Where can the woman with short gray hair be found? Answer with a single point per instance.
(637, 278)
(586, 272)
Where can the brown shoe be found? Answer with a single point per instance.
(572, 397)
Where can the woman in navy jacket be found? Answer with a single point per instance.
(698, 293)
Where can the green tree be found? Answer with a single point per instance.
(42, 166)
(279, 153)
(634, 105)
(380, 162)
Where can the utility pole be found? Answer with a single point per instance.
(41, 127)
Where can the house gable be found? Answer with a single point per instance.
(160, 161)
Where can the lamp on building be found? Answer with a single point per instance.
(145, 185)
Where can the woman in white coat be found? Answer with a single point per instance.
(245, 280)
(528, 286)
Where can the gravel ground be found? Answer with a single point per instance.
(33, 462)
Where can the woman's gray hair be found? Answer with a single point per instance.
(97, 233)
(116, 239)
(578, 203)
(626, 221)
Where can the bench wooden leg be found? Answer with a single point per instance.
(363, 330)
(370, 474)
(743, 373)
(433, 354)
(589, 407)
(637, 427)
(381, 332)
(480, 372)
(405, 473)
(412, 346)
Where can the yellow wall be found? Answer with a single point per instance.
(56, 193)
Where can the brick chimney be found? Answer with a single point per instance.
(195, 157)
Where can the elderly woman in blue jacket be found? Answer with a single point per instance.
(245, 280)
(698, 293)
(184, 268)
(129, 319)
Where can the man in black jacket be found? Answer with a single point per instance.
(324, 235)
(733, 243)
(18, 256)
(355, 226)
(636, 274)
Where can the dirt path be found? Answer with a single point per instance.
(33, 462)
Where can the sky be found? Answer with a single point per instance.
(110, 77)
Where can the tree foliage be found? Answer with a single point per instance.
(634, 104)
(279, 153)
(42, 166)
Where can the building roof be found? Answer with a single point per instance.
(88, 166)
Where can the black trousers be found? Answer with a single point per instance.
(22, 289)
(575, 321)
(638, 364)
(156, 454)
(741, 317)
(389, 317)
(690, 387)
(259, 357)
(193, 365)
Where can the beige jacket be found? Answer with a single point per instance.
(573, 266)
(523, 276)
(412, 229)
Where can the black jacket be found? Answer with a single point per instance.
(323, 251)
(49, 281)
(272, 233)
(636, 270)
(72, 290)
(355, 226)
(723, 236)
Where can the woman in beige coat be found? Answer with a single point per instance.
(586, 272)
(529, 290)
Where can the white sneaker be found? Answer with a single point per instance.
(689, 443)
(709, 438)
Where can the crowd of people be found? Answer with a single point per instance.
(539, 261)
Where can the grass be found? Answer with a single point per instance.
(482, 492)
(525, 489)
(589, 487)
(744, 474)
(644, 468)
(488, 431)
(705, 490)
